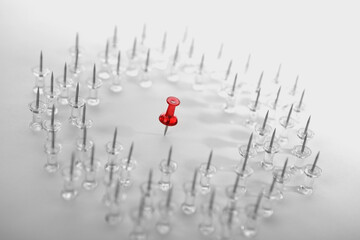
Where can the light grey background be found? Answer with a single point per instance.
(318, 40)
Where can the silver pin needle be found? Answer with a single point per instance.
(53, 140)
(134, 49)
(201, 64)
(130, 154)
(92, 157)
(265, 120)
(257, 99)
(148, 189)
(118, 63)
(72, 166)
(212, 200)
(272, 186)
(52, 83)
(191, 49)
(111, 175)
(236, 184)
(76, 60)
(169, 198)
(284, 168)
(65, 74)
(94, 76)
(41, 63)
(315, 162)
(147, 61)
(83, 117)
(257, 205)
(304, 144)
(307, 125)
(84, 138)
(143, 35)
(233, 86)
(301, 100)
(77, 94)
(163, 44)
(169, 157)
(165, 131)
(37, 103)
(289, 116)
(52, 120)
(77, 42)
(114, 140)
(107, 52)
(115, 37)
(220, 51)
(209, 161)
(228, 70)
(193, 184)
(277, 98)
(276, 79)
(247, 153)
(293, 91)
(141, 209)
(176, 55)
(272, 140)
(117, 191)
(260, 80)
(247, 65)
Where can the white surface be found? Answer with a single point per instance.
(319, 41)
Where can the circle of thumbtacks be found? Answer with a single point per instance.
(156, 215)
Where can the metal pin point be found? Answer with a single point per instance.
(52, 83)
(191, 49)
(77, 94)
(37, 103)
(219, 55)
(107, 52)
(257, 205)
(201, 67)
(130, 154)
(247, 65)
(276, 79)
(114, 140)
(92, 157)
(257, 99)
(232, 93)
(304, 144)
(299, 105)
(147, 61)
(134, 49)
(209, 161)
(41, 63)
(143, 35)
(289, 116)
(115, 37)
(277, 98)
(169, 198)
(272, 140)
(259, 81)
(193, 184)
(176, 55)
(315, 162)
(228, 70)
(293, 90)
(118, 63)
(163, 44)
(52, 121)
(247, 153)
(265, 121)
(169, 157)
(148, 188)
(84, 138)
(284, 169)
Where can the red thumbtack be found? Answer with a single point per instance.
(168, 118)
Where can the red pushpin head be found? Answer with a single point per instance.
(168, 118)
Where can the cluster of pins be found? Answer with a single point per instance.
(83, 170)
